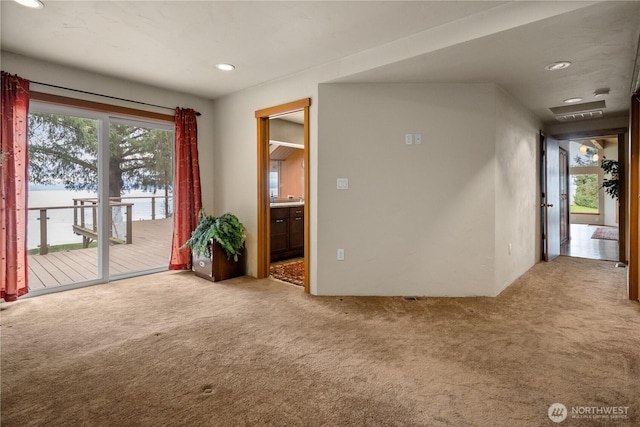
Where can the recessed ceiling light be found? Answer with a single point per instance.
(225, 67)
(33, 4)
(601, 92)
(572, 100)
(555, 66)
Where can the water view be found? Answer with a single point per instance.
(60, 221)
(64, 158)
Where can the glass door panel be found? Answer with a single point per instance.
(584, 194)
(140, 196)
(62, 199)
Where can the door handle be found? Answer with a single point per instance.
(542, 205)
(279, 220)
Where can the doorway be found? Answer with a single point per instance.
(283, 187)
(595, 218)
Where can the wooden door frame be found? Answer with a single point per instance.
(623, 166)
(566, 202)
(634, 193)
(622, 172)
(264, 217)
(544, 245)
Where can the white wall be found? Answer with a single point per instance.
(445, 240)
(417, 219)
(517, 220)
(59, 75)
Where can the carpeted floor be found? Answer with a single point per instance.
(605, 233)
(290, 271)
(174, 350)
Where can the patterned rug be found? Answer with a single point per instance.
(608, 233)
(290, 272)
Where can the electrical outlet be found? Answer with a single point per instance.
(417, 138)
(340, 254)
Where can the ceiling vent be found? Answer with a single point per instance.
(587, 110)
(579, 116)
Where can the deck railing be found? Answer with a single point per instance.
(89, 230)
(89, 234)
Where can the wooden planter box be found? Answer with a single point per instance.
(218, 267)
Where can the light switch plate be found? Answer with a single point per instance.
(408, 138)
(340, 255)
(343, 183)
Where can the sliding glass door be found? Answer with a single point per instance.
(100, 197)
(62, 197)
(140, 195)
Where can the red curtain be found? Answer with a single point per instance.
(187, 196)
(13, 188)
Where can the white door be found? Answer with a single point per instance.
(550, 197)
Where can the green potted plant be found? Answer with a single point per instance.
(610, 185)
(217, 247)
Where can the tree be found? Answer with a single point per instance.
(612, 184)
(586, 159)
(64, 149)
(586, 184)
(586, 190)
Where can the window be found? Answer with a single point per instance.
(274, 178)
(585, 178)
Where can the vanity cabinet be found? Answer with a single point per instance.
(296, 230)
(287, 232)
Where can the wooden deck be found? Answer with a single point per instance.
(151, 248)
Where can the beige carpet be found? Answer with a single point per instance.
(174, 350)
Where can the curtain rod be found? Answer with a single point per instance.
(107, 96)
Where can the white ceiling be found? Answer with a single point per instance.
(176, 44)
(601, 42)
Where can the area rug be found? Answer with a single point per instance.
(290, 272)
(608, 233)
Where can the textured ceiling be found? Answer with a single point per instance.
(601, 41)
(176, 45)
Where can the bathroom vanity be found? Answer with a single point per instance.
(287, 230)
